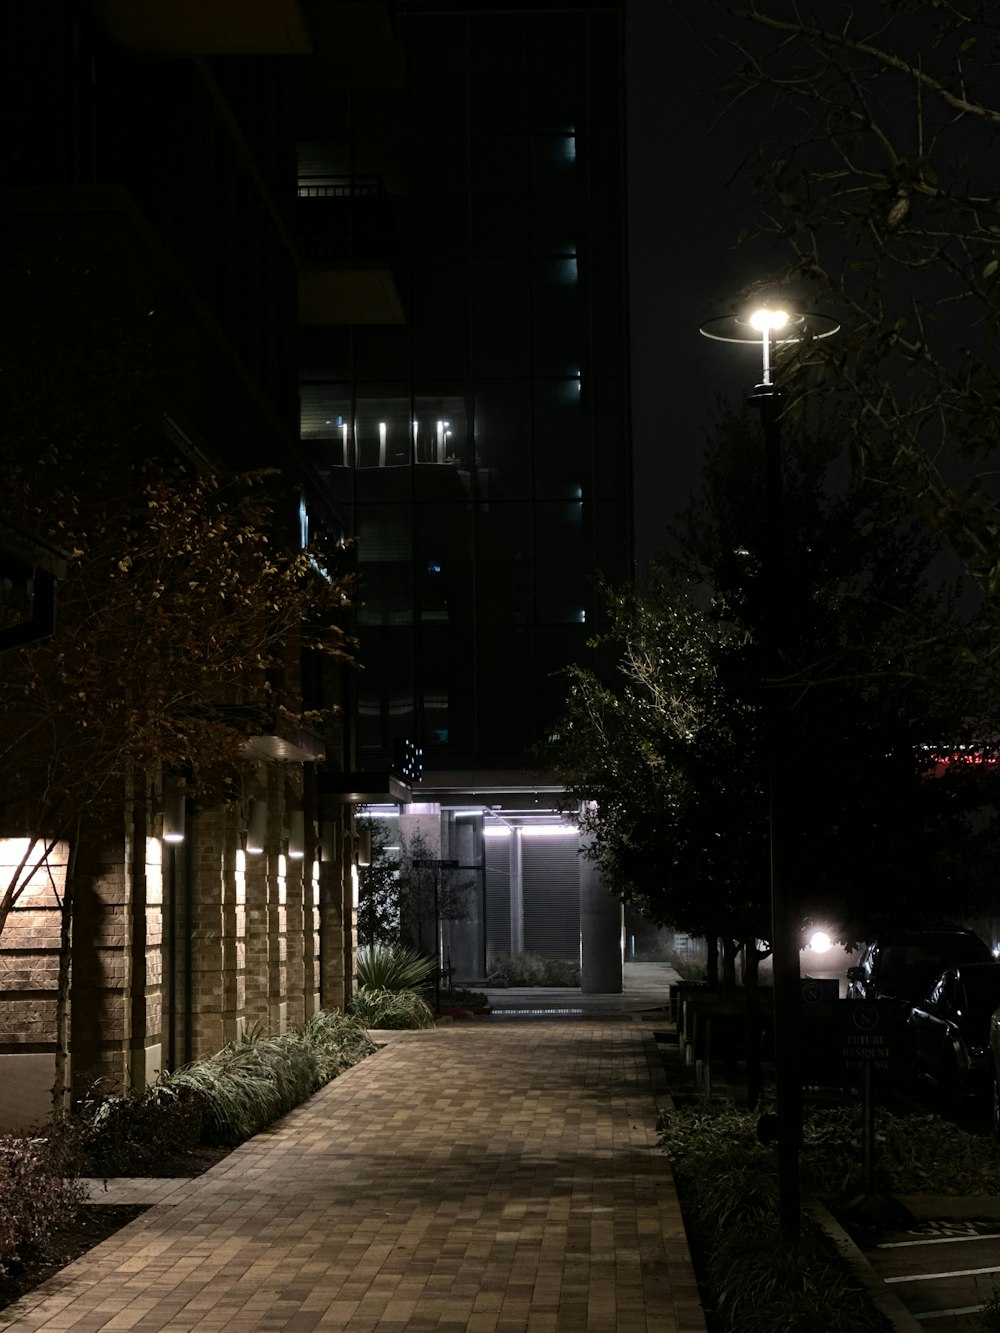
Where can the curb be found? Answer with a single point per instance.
(885, 1301)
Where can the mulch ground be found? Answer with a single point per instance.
(95, 1222)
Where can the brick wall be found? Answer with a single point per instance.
(177, 948)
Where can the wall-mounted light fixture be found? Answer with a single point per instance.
(257, 828)
(296, 835)
(327, 840)
(173, 815)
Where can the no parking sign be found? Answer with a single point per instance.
(867, 1031)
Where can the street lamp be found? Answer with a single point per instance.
(774, 325)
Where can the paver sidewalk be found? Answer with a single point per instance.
(482, 1178)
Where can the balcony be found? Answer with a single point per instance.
(347, 239)
(206, 27)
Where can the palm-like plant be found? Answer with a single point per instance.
(392, 967)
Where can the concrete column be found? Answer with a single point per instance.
(516, 893)
(602, 934)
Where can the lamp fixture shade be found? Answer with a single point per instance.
(173, 816)
(257, 828)
(771, 326)
(296, 835)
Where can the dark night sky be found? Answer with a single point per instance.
(683, 223)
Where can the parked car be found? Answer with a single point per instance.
(948, 1033)
(904, 966)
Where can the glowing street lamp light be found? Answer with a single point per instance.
(767, 322)
(772, 326)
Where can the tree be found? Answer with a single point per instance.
(671, 751)
(403, 898)
(180, 612)
(180, 622)
(378, 897)
(428, 894)
(879, 131)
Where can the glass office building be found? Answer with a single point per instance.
(471, 418)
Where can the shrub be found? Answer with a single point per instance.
(392, 967)
(729, 1188)
(760, 1284)
(459, 997)
(336, 1041)
(686, 967)
(915, 1154)
(38, 1195)
(247, 1085)
(250, 1083)
(532, 969)
(382, 1009)
(131, 1135)
(222, 1100)
(988, 1319)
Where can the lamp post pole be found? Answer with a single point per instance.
(764, 326)
(785, 943)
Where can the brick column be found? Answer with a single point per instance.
(207, 931)
(277, 943)
(311, 937)
(257, 986)
(102, 957)
(331, 935)
(295, 974)
(235, 950)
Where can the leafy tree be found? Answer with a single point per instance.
(378, 897)
(181, 615)
(402, 899)
(671, 751)
(181, 611)
(878, 132)
(427, 894)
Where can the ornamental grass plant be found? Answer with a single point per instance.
(224, 1099)
(251, 1082)
(377, 1008)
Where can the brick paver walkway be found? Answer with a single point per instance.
(478, 1178)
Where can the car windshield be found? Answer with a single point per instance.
(982, 989)
(909, 967)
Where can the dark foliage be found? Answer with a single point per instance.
(38, 1194)
(131, 1136)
